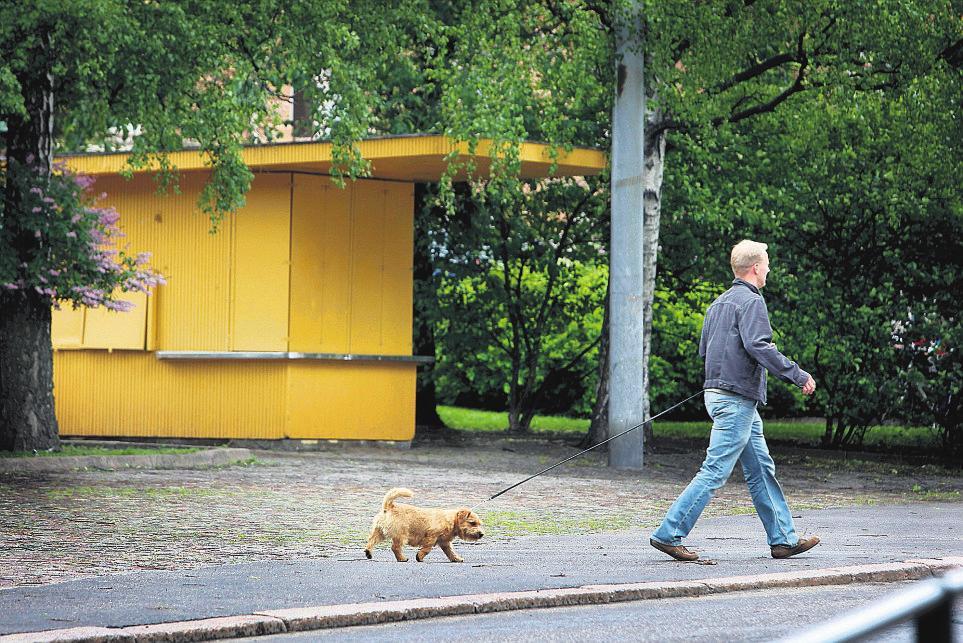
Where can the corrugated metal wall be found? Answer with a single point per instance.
(194, 306)
(132, 393)
(372, 401)
(351, 263)
(305, 267)
(351, 292)
(260, 266)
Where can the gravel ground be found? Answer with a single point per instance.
(285, 506)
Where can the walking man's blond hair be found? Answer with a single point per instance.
(745, 254)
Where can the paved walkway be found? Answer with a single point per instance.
(64, 525)
(119, 548)
(852, 536)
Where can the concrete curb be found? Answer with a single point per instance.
(206, 458)
(334, 616)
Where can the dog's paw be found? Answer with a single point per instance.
(419, 558)
(458, 559)
(367, 552)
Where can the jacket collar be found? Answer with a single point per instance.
(743, 282)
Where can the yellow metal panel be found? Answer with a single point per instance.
(308, 232)
(367, 267)
(135, 394)
(336, 285)
(354, 401)
(398, 282)
(151, 343)
(67, 327)
(320, 266)
(351, 267)
(111, 329)
(261, 266)
(192, 312)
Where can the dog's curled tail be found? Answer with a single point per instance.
(393, 494)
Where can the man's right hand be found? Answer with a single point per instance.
(809, 387)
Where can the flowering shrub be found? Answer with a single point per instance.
(63, 246)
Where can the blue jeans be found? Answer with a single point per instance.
(736, 435)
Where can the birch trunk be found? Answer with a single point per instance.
(652, 182)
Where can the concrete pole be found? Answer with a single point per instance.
(626, 360)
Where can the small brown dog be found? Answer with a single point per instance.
(422, 528)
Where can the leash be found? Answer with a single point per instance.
(572, 457)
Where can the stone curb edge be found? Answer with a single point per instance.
(212, 457)
(335, 616)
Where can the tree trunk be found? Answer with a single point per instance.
(527, 415)
(27, 418)
(841, 429)
(516, 408)
(514, 419)
(516, 422)
(652, 180)
(599, 427)
(827, 439)
(522, 409)
(426, 403)
(529, 397)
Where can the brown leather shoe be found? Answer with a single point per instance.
(785, 551)
(676, 551)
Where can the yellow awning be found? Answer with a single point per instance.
(404, 158)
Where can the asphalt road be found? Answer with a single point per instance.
(744, 616)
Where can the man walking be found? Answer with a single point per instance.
(737, 348)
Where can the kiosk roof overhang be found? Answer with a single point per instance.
(420, 158)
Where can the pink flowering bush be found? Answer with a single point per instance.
(65, 247)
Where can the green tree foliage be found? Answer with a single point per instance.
(932, 373)
(520, 289)
(709, 67)
(675, 368)
(871, 227)
(828, 129)
(858, 195)
(149, 76)
(512, 73)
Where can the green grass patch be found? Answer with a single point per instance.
(807, 433)
(246, 462)
(802, 433)
(72, 450)
(464, 419)
(930, 494)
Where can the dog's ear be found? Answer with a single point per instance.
(463, 514)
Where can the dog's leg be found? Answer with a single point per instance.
(424, 551)
(450, 552)
(399, 554)
(376, 537)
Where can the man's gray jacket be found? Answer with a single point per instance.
(737, 345)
